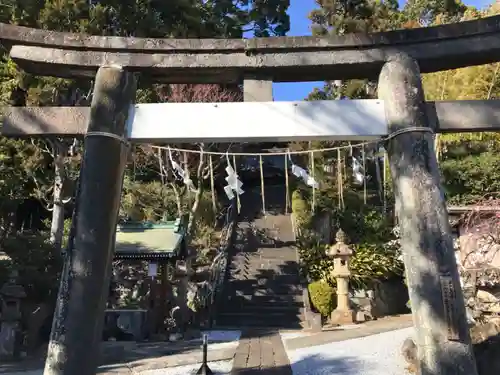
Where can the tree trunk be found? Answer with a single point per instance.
(57, 225)
(197, 198)
(191, 226)
(178, 199)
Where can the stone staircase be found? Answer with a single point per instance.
(263, 288)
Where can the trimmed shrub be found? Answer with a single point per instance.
(322, 297)
(301, 210)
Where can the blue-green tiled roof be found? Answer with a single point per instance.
(148, 241)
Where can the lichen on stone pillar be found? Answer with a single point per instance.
(426, 242)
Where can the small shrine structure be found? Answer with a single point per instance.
(137, 307)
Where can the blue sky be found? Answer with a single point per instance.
(300, 25)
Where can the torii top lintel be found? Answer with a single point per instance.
(284, 59)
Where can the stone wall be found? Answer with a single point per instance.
(387, 297)
(478, 243)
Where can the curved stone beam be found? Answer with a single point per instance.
(287, 59)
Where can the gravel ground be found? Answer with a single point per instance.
(217, 341)
(219, 368)
(221, 336)
(370, 355)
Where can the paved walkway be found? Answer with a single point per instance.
(305, 353)
(371, 348)
(261, 351)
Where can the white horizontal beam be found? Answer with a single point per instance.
(257, 121)
(250, 121)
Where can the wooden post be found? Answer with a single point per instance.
(78, 319)
(153, 305)
(163, 295)
(262, 186)
(437, 302)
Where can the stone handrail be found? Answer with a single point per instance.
(282, 59)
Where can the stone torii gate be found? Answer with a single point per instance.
(396, 58)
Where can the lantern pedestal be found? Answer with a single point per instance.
(341, 254)
(343, 313)
(342, 317)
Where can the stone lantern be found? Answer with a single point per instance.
(11, 295)
(341, 254)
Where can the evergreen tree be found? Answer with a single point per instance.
(344, 17)
(427, 12)
(28, 166)
(353, 16)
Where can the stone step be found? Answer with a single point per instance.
(262, 269)
(263, 308)
(262, 283)
(267, 264)
(256, 292)
(251, 320)
(263, 289)
(278, 269)
(280, 300)
(274, 251)
(291, 257)
(265, 277)
(245, 280)
(283, 269)
(290, 266)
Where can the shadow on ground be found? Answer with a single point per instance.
(311, 365)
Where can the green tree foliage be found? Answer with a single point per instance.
(472, 178)
(374, 256)
(140, 18)
(468, 160)
(361, 16)
(478, 82)
(27, 166)
(427, 12)
(344, 17)
(360, 213)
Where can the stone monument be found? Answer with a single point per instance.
(11, 295)
(341, 254)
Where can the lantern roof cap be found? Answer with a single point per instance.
(340, 247)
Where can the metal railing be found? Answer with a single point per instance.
(219, 265)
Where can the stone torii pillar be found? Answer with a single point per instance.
(78, 319)
(437, 302)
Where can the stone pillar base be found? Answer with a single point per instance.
(340, 317)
